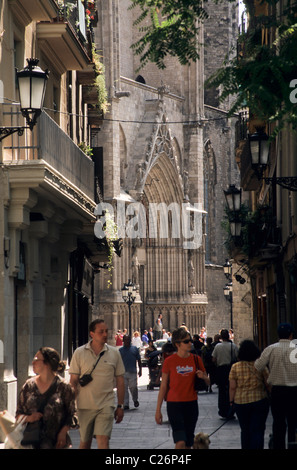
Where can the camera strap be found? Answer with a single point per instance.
(100, 355)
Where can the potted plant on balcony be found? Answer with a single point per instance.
(91, 12)
(65, 9)
(99, 82)
(91, 5)
(111, 242)
(86, 149)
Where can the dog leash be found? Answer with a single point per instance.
(228, 419)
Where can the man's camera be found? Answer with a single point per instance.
(85, 379)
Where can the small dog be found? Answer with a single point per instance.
(201, 441)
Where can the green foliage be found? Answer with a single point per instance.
(100, 82)
(260, 77)
(86, 149)
(172, 29)
(68, 7)
(256, 229)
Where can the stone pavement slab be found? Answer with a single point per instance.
(138, 430)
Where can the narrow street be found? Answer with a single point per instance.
(138, 429)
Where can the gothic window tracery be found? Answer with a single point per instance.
(163, 141)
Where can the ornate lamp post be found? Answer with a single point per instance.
(129, 296)
(228, 289)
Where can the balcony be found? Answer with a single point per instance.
(66, 41)
(95, 116)
(87, 76)
(90, 94)
(28, 10)
(49, 174)
(48, 158)
(59, 41)
(59, 151)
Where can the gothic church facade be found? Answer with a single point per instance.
(156, 141)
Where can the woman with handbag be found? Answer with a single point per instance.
(248, 395)
(177, 387)
(48, 403)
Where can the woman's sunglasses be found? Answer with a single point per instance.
(186, 341)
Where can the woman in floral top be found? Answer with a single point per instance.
(59, 411)
(247, 392)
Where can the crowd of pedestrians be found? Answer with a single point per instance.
(249, 384)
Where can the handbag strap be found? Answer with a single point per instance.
(100, 355)
(196, 362)
(233, 358)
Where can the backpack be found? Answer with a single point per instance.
(207, 355)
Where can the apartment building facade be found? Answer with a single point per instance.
(48, 249)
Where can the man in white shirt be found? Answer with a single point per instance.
(158, 327)
(95, 401)
(165, 335)
(280, 358)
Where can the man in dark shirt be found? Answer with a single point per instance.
(130, 355)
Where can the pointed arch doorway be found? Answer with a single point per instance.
(171, 275)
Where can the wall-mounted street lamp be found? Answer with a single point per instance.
(259, 149)
(228, 273)
(240, 279)
(32, 84)
(129, 296)
(233, 199)
(228, 269)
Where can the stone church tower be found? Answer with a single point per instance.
(220, 138)
(151, 143)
